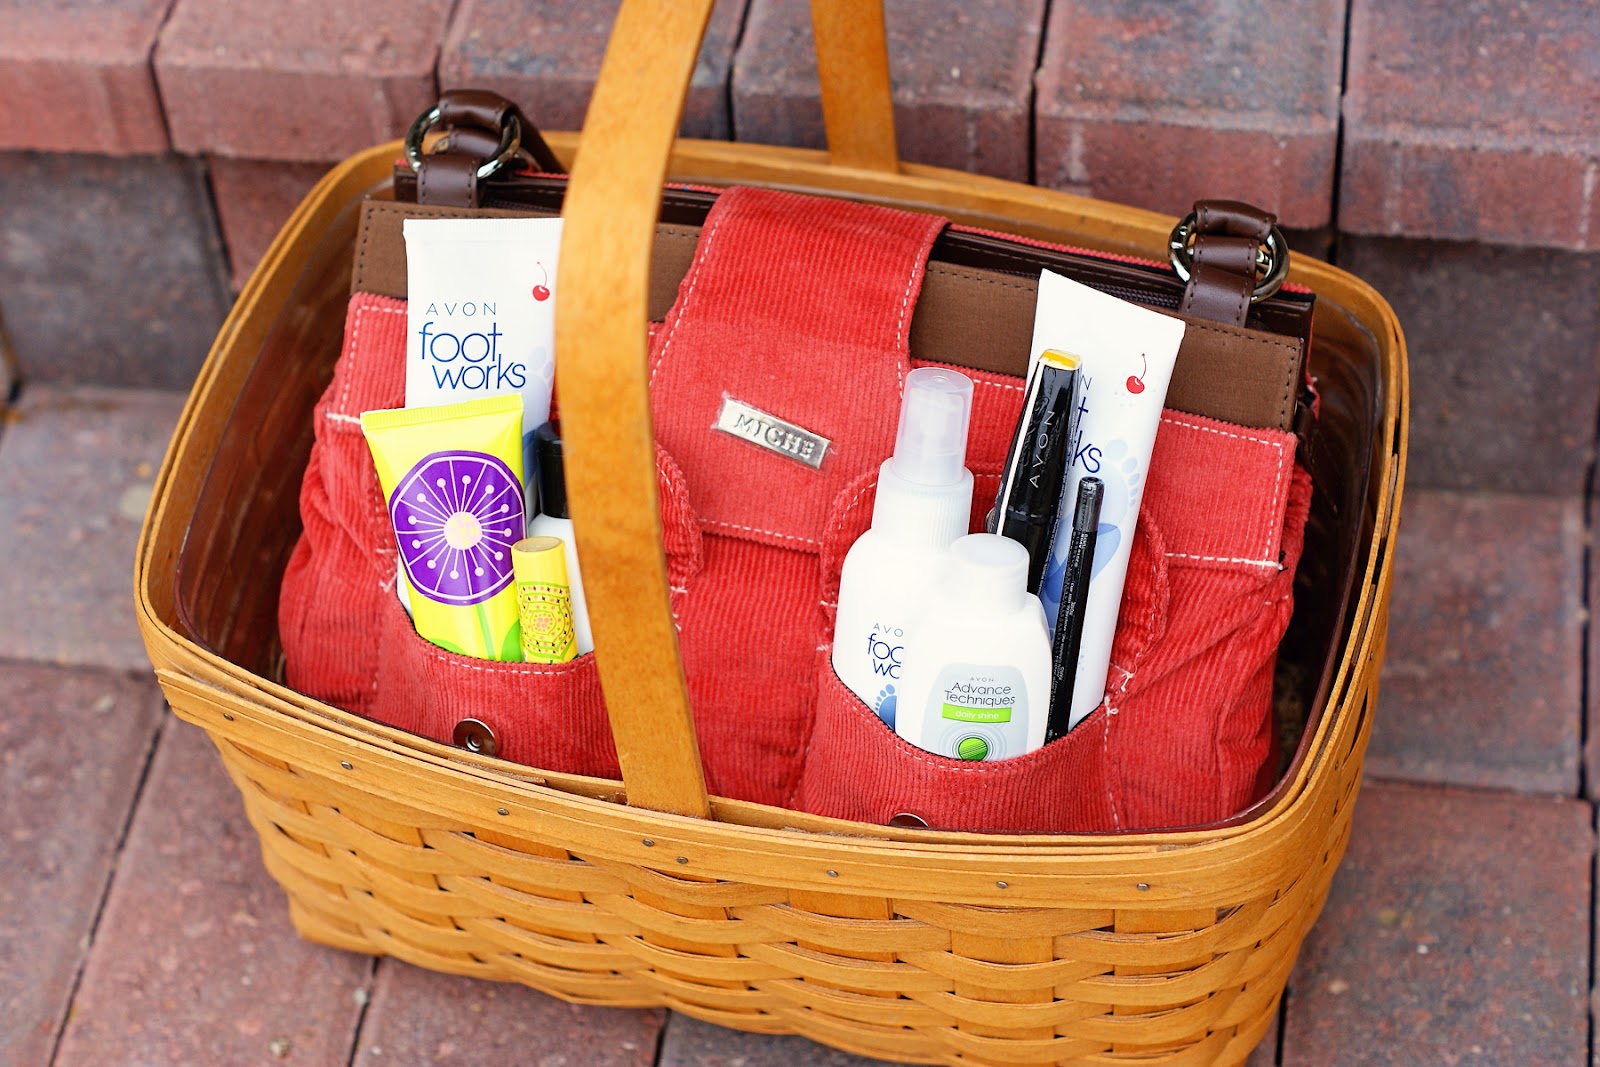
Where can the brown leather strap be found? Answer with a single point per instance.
(485, 110)
(475, 141)
(449, 179)
(1227, 238)
(476, 120)
(475, 107)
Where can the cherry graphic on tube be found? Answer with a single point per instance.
(541, 292)
(1136, 381)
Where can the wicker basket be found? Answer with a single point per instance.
(918, 946)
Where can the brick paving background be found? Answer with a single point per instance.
(1447, 152)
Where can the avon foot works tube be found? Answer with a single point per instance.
(480, 313)
(452, 476)
(1126, 354)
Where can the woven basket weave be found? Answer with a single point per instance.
(916, 946)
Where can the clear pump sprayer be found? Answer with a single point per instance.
(930, 446)
(925, 489)
(924, 503)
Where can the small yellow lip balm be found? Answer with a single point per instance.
(544, 600)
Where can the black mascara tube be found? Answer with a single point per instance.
(1074, 597)
(1030, 489)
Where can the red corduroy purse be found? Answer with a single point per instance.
(815, 309)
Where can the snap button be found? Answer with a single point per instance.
(476, 736)
(906, 820)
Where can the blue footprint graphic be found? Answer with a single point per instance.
(885, 705)
(1123, 479)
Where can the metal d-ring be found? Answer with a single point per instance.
(510, 142)
(1272, 257)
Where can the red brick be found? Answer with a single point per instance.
(1161, 105)
(110, 270)
(253, 200)
(962, 75)
(195, 961)
(1457, 931)
(303, 80)
(76, 472)
(1501, 345)
(75, 77)
(546, 57)
(1474, 121)
(72, 748)
(1482, 680)
(419, 1016)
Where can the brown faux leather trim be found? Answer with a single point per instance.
(463, 109)
(1222, 277)
(475, 107)
(449, 179)
(380, 264)
(984, 319)
(968, 316)
(474, 141)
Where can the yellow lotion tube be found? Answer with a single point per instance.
(545, 599)
(452, 476)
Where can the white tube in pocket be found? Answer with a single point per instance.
(480, 313)
(1127, 355)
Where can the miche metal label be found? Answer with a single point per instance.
(771, 433)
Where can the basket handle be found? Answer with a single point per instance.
(602, 359)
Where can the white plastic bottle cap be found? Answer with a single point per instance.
(930, 447)
(988, 570)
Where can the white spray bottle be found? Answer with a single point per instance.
(924, 503)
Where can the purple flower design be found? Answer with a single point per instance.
(456, 516)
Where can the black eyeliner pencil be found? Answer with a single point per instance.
(1030, 490)
(1074, 598)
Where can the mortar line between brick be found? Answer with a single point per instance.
(1585, 572)
(224, 271)
(1475, 788)
(1585, 666)
(438, 47)
(1033, 97)
(1283, 1025)
(361, 1010)
(155, 82)
(1337, 189)
(1594, 900)
(733, 65)
(661, 1037)
(110, 880)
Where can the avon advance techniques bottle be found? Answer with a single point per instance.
(979, 685)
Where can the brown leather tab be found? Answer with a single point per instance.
(475, 107)
(475, 141)
(449, 179)
(1233, 218)
(1221, 279)
(1227, 237)
(486, 110)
